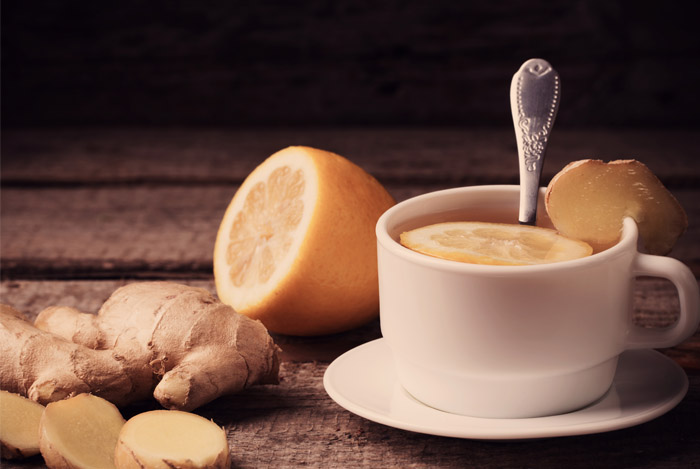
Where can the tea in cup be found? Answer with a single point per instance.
(513, 341)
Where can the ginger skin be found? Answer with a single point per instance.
(175, 341)
(47, 368)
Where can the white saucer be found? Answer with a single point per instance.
(647, 384)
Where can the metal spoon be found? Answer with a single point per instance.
(534, 102)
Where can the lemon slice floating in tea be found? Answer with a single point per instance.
(494, 243)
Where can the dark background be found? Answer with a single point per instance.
(345, 62)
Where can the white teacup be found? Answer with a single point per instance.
(513, 341)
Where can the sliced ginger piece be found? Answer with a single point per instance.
(494, 243)
(80, 432)
(589, 199)
(19, 426)
(171, 438)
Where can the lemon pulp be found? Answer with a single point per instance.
(262, 230)
(296, 247)
(494, 243)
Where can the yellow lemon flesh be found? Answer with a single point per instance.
(296, 248)
(494, 243)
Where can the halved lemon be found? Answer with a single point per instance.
(296, 248)
(494, 243)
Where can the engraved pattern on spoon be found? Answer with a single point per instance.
(534, 98)
(534, 140)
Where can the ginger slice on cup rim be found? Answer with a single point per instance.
(589, 199)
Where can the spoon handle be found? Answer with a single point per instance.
(534, 102)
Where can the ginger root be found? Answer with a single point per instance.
(175, 341)
(171, 438)
(19, 426)
(47, 368)
(589, 199)
(80, 432)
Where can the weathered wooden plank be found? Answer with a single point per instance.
(655, 304)
(162, 230)
(31, 297)
(434, 156)
(320, 434)
(304, 428)
(296, 424)
(127, 229)
(153, 219)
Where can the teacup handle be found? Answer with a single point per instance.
(688, 292)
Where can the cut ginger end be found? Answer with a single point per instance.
(19, 430)
(589, 199)
(171, 438)
(80, 432)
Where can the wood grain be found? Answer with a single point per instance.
(655, 304)
(147, 230)
(421, 156)
(132, 202)
(296, 424)
(85, 210)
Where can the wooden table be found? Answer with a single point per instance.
(85, 210)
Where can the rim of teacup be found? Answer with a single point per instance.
(628, 238)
